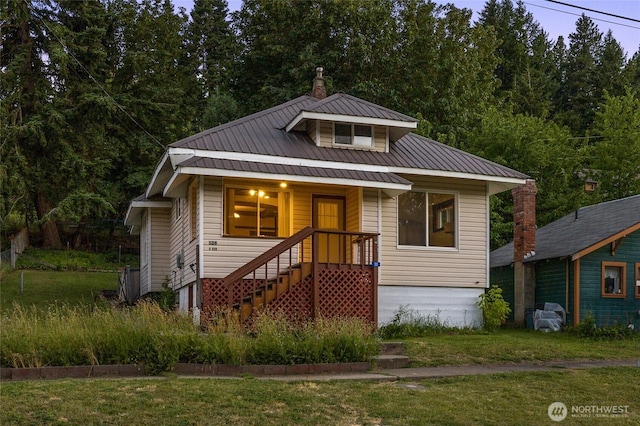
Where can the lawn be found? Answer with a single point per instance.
(514, 399)
(513, 346)
(44, 288)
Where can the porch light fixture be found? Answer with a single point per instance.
(283, 184)
(236, 215)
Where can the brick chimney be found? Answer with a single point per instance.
(319, 91)
(524, 246)
(524, 220)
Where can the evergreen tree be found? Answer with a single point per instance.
(211, 49)
(525, 63)
(578, 93)
(615, 157)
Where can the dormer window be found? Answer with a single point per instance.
(353, 134)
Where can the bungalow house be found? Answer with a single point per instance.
(321, 205)
(587, 261)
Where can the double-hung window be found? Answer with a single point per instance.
(427, 219)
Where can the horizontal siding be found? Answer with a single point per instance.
(181, 242)
(145, 252)
(353, 209)
(380, 138)
(503, 277)
(465, 266)
(455, 307)
(551, 283)
(608, 310)
(229, 253)
(160, 248)
(326, 134)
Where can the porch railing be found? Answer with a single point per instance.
(317, 248)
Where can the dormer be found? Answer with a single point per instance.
(345, 122)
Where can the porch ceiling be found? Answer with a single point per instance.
(295, 173)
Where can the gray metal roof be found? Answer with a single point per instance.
(262, 133)
(577, 231)
(293, 170)
(344, 104)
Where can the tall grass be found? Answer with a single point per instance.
(65, 336)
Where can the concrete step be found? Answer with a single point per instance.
(384, 362)
(392, 348)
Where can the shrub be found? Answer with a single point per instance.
(588, 329)
(495, 309)
(407, 323)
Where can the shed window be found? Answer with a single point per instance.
(257, 212)
(613, 279)
(427, 219)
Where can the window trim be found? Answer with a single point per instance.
(352, 143)
(193, 208)
(246, 186)
(429, 222)
(623, 280)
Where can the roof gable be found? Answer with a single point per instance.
(261, 137)
(579, 232)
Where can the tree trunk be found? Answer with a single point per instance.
(48, 229)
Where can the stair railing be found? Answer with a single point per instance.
(263, 261)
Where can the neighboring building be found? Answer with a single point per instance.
(588, 262)
(358, 215)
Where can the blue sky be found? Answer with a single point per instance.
(557, 20)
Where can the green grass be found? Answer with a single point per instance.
(46, 288)
(513, 346)
(73, 260)
(499, 399)
(63, 336)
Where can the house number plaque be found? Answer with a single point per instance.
(213, 246)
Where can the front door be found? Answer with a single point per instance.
(329, 214)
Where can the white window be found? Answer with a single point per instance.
(427, 219)
(353, 134)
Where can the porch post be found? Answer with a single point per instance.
(375, 282)
(316, 270)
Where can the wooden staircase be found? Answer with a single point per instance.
(275, 288)
(297, 260)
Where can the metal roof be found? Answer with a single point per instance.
(293, 170)
(344, 104)
(263, 133)
(578, 231)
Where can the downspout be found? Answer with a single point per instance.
(488, 234)
(576, 292)
(566, 285)
(379, 235)
(200, 247)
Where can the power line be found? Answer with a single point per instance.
(595, 11)
(120, 107)
(577, 14)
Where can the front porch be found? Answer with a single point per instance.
(314, 273)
